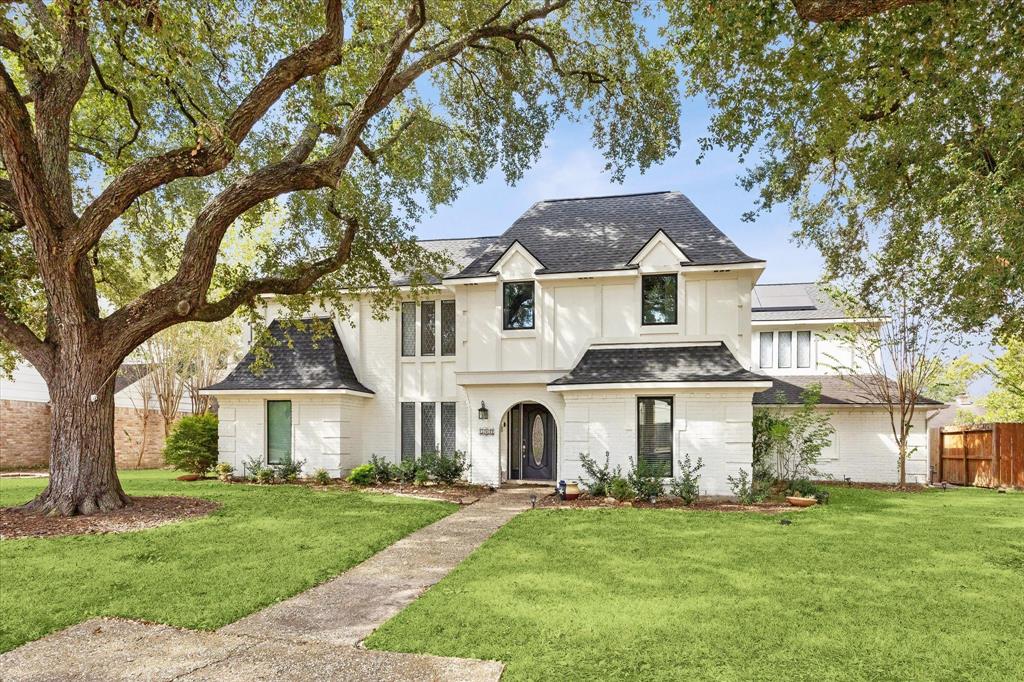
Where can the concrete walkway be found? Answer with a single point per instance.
(311, 636)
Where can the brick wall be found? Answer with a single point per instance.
(25, 436)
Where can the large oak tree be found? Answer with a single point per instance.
(149, 135)
(892, 129)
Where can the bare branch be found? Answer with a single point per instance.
(835, 11)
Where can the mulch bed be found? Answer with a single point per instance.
(144, 512)
(587, 502)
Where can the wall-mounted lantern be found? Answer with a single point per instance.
(482, 412)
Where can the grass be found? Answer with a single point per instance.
(874, 586)
(266, 543)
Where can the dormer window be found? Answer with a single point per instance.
(518, 307)
(660, 299)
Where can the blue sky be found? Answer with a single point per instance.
(571, 167)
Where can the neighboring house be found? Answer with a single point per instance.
(624, 324)
(25, 420)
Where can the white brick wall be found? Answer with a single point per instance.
(865, 450)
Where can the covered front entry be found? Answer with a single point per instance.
(532, 442)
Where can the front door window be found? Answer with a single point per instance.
(532, 442)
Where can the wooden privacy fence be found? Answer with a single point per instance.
(984, 455)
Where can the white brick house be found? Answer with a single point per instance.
(629, 325)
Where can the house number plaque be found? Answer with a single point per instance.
(486, 430)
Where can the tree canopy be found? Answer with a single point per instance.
(898, 134)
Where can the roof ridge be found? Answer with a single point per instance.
(608, 196)
(783, 284)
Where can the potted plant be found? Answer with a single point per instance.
(572, 490)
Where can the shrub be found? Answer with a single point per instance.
(686, 485)
(645, 479)
(224, 471)
(265, 475)
(746, 490)
(421, 477)
(321, 477)
(444, 468)
(598, 477)
(405, 471)
(807, 488)
(252, 468)
(290, 470)
(383, 470)
(787, 445)
(192, 445)
(361, 475)
(620, 489)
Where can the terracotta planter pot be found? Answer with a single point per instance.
(802, 501)
(572, 491)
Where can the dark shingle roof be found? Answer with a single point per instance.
(462, 251)
(617, 365)
(835, 390)
(797, 301)
(604, 233)
(305, 364)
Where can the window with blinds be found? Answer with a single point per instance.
(766, 349)
(447, 327)
(785, 349)
(447, 428)
(803, 349)
(408, 329)
(428, 327)
(654, 433)
(428, 420)
(279, 431)
(408, 431)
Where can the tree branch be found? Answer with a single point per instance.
(24, 340)
(218, 310)
(203, 159)
(834, 11)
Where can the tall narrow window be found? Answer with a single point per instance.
(428, 331)
(518, 310)
(428, 418)
(448, 327)
(447, 428)
(408, 431)
(785, 349)
(279, 431)
(803, 349)
(654, 433)
(766, 349)
(659, 299)
(408, 329)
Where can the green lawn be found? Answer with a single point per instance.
(264, 544)
(875, 586)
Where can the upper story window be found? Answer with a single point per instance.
(518, 305)
(766, 348)
(785, 349)
(803, 349)
(448, 327)
(428, 337)
(408, 329)
(660, 300)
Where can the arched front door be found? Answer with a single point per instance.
(532, 443)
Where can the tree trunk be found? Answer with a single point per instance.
(83, 477)
(903, 463)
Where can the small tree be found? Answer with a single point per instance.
(192, 445)
(787, 444)
(1005, 403)
(894, 344)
